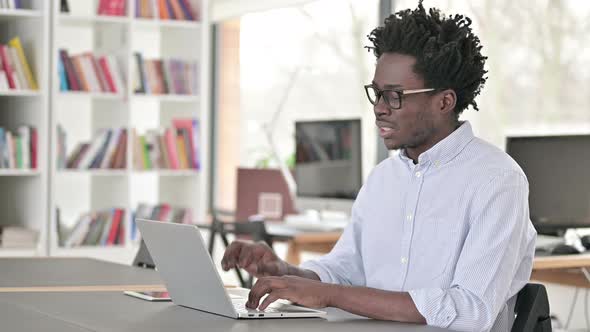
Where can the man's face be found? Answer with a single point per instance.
(415, 123)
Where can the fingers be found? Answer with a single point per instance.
(230, 257)
(272, 297)
(248, 256)
(264, 286)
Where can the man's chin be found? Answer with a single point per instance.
(392, 145)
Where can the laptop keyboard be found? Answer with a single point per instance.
(240, 306)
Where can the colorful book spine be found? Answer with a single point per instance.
(7, 65)
(16, 44)
(187, 10)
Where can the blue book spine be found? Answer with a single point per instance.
(137, 5)
(170, 10)
(133, 226)
(186, 10)
(63, 81)
(18, 4)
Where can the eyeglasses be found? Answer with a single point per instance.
(393, 98)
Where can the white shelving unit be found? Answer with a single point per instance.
(82, 114)
(23, 198)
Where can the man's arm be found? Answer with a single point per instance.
(489, 264)
(494, 264)
(363, 301)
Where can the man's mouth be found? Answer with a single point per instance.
(385, 130)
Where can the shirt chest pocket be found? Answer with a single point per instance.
(434, 248)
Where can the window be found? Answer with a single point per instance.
(300, 63)
(538, 77)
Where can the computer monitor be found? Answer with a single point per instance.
(328, 170)
(558, 171)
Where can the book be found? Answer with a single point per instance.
(16, 44)
(63, 80)
(3, 80)
(10, 150)
(34, 143)
(115, 226)
(7, 65)
(187, 10)
(113, 66)
(64, 6)
(119, 161)
(190, 125)
(177, 9)
(73, 80)
(163, 9)
(18, 68)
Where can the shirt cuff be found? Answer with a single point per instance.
(437, 307)
(320, 270)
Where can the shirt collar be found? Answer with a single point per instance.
(447, 149)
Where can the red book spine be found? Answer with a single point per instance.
(115, 227)
(107, 73)
(170, 139)
(164, 211)
(102, 7)
(7, 66)
(70, 72)
(99, 74)
(34, 147)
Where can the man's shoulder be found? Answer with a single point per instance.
(484, 157)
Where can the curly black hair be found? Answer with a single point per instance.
(448, 54)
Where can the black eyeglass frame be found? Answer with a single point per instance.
(400, 94)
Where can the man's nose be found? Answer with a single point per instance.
(381, 108)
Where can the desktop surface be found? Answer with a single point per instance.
(54, 272)
(114, 311)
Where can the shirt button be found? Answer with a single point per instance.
(418, 174)
(404, 260)
(409, 217)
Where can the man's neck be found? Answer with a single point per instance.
(415, 152)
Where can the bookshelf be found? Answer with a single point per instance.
(82, 114)
(23, 198)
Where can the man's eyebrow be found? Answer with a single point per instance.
(388, 85)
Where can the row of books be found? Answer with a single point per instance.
(15, 72)
(86, 72)
(171, 76)
(161, 212)
(11, 4)
(107, 150)
(19, 150)
(97, 228)
(171, 148)
(166, 9)
(15, 237)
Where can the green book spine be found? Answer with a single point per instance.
(146, 155)
(19, 152)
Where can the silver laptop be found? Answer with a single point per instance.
(191, 278)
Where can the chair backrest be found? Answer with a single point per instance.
(532, 310)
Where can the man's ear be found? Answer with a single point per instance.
(447, 101)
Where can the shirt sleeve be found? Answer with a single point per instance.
(494, 264)
(344, 264)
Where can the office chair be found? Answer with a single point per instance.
(532, 310)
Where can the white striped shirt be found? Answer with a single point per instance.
(452, 230)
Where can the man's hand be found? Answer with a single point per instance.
(303, 291)
(258, 259)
